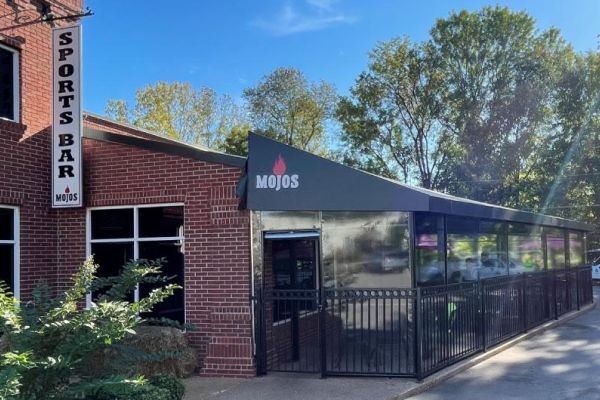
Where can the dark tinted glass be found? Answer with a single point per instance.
(111, 257)
(429, 249)
(161, 221)
(6, 224)
(112, 224)
(173, 306)
(6, 84)
(462, 225)
(6, 264)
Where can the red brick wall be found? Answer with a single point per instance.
(217, 240)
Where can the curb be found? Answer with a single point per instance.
(461, 366)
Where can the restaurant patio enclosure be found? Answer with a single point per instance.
(355, 274)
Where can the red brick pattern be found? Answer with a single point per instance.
(217, 253)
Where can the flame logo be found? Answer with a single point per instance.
(279, 167)
(67, 190)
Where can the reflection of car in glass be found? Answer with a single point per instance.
(389, 260)
(394, 260)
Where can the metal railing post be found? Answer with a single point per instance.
(483, 322)
(322, 307)
(419, 336)
(577, 288)
(524, 301)
(554, 279)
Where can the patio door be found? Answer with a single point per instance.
(291, 302)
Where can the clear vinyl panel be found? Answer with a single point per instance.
(368, 314)
(525, 251)
(366, 250)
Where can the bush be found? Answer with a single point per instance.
(132, 389)
(170, 383)
(47, 341)
(152, 350)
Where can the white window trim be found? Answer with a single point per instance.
(16, 84)
(16, 250)
(135, 239)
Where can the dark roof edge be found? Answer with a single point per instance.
(490, 211)
(176, 149)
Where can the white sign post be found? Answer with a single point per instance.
(66, 121)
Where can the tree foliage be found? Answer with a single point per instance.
(47, 340)
(178, 111)
(500, 76)
(288, 108)
(392, 120)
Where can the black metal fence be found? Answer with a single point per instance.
(407, 332)
(369, 332)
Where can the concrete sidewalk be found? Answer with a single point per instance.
(559, 363)
(295, 387)
(562, 363)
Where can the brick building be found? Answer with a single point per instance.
(144, 196)
(351, 273)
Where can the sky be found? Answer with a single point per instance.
(229, 45)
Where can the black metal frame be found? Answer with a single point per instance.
(417, 332)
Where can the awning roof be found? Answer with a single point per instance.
(282, 178)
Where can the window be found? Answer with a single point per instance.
(116, 235)
(525, 252)
(476, 249)
(9, 248)
(366, 249)
(9, 83)
(576, 249)
(429, 249)
(556, 248)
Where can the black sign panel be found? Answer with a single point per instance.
(281, 177)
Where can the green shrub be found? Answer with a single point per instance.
(170, 383)
(47, 340)
(130, 389)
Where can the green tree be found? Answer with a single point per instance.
(500, 75)
(236, 141)
(567, 168)
(288, 108)
(178, 111)
(391, 123)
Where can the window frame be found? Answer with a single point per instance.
(16, 84)
(15, 242)
(135, 239)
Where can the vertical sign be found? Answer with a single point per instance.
(66, 120)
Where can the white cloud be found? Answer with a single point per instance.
(322, 4)
(313, 15)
